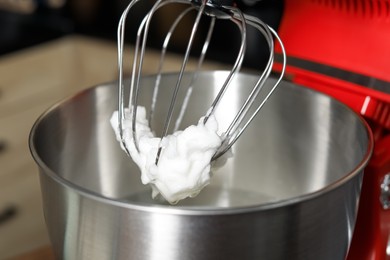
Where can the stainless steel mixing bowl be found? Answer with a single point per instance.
(290, 191)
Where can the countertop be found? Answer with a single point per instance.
(42, 253)
(31, 81)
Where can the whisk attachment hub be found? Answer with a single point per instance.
(215, 8)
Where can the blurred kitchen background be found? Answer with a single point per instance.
(29, 22)
(50, 49)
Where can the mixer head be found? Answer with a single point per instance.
(215, 11)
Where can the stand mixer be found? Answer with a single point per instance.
(341, 48)
(290, 191)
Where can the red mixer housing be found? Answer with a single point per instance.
(342, 48)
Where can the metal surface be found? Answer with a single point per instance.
(201, 9)
(290, 191)
(385, 192)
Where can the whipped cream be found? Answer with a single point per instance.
(183, 168)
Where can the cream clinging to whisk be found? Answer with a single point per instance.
(184, 166)
(215, 11)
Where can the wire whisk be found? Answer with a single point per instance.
(215, 11)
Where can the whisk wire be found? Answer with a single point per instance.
(182, 69)
(138, 61)
(232, 136)
(195, 74)
(162, 59)
(121, 92)
(236, 122)
(180, 77)
(238, 62)
(143, 33)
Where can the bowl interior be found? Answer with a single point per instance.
(300, 142)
